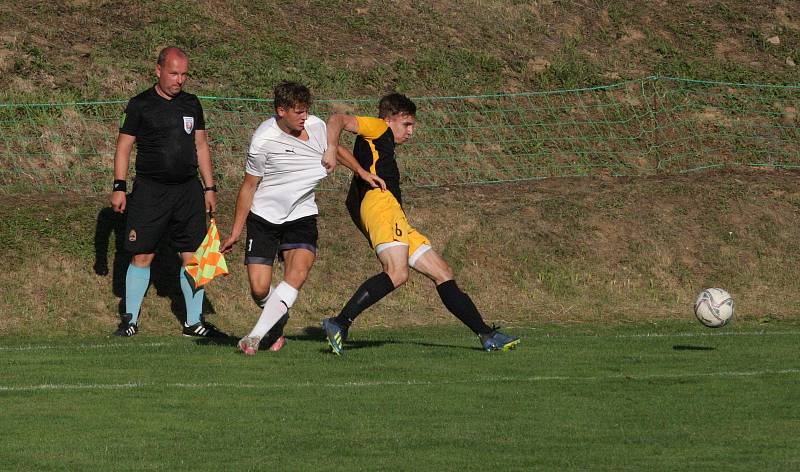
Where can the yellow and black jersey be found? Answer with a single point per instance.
(374, 151)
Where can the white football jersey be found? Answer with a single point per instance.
(289, 169)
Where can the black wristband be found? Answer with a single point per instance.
(119, 186)
(213, 188)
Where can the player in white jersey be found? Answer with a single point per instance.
(276, 202)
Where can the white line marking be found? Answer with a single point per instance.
(392, 383)
(30, 388)
(81, 346)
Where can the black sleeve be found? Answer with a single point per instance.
(130, 120)
(201, 122)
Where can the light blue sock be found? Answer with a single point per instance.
(136, 281)
(194, 298)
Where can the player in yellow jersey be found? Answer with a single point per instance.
(379, 214)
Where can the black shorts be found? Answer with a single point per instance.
(156, 210)
(265, 240)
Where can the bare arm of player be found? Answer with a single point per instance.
(244, 200)
(206, 168)
(328, 162)
(122, 157)
(335, 124)
(347, 159)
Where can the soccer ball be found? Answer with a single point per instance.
(714, 307)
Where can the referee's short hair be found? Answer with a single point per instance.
(290, 94)
(162, 55)
(396, 103)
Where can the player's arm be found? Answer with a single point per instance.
(244, 200)
(347, 159)
(206, 168)
(122, 156)
(335, 125)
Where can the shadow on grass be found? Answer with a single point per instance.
(164, 271)
(230, 341)
(451, 346)
(317, 334)
(685, 347)
(313, 333)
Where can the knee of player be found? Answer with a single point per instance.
(398, 275)
(259, 297)
(259, 289)
(444, 275)
(437, 270)
(142, 260)
(296, 276)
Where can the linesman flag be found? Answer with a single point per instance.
(207, 261)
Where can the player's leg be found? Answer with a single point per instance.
(394, 261)
(260, 278)
(433, 266)
(137, 279)
(386, 228)
(298, 263)
(188, 229)
(146, 220)
(395, 273)
(261, 247)
(193, 296)
(274, 339)
(298, 250)
(259, 273)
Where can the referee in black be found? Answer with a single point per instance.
(167, 199)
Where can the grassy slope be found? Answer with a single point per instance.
(100, 50)
(566, 250)
(562, 250)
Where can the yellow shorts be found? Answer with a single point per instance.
(385, 222)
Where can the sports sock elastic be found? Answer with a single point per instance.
(460, 305)
(277, 304)
(261, 301)
(372, 290)
(193, 298)
(136, 281)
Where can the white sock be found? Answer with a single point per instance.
(277, 304)
(263, 301)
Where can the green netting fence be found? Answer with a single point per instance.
(640, 127)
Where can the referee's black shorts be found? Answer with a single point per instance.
(156, 210)
(266, 240)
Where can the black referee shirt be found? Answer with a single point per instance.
(164, 131)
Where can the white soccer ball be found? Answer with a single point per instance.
(714, 307)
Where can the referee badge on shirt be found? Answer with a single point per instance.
(188, 124)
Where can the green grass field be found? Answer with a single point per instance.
(597, 275)
(655, 396)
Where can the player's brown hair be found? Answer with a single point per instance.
(290, 94)
(396, 103)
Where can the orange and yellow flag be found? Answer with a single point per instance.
(207, 261)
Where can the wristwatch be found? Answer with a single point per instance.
(213, 188)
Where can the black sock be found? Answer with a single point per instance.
(462, 307)
(375, 288)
